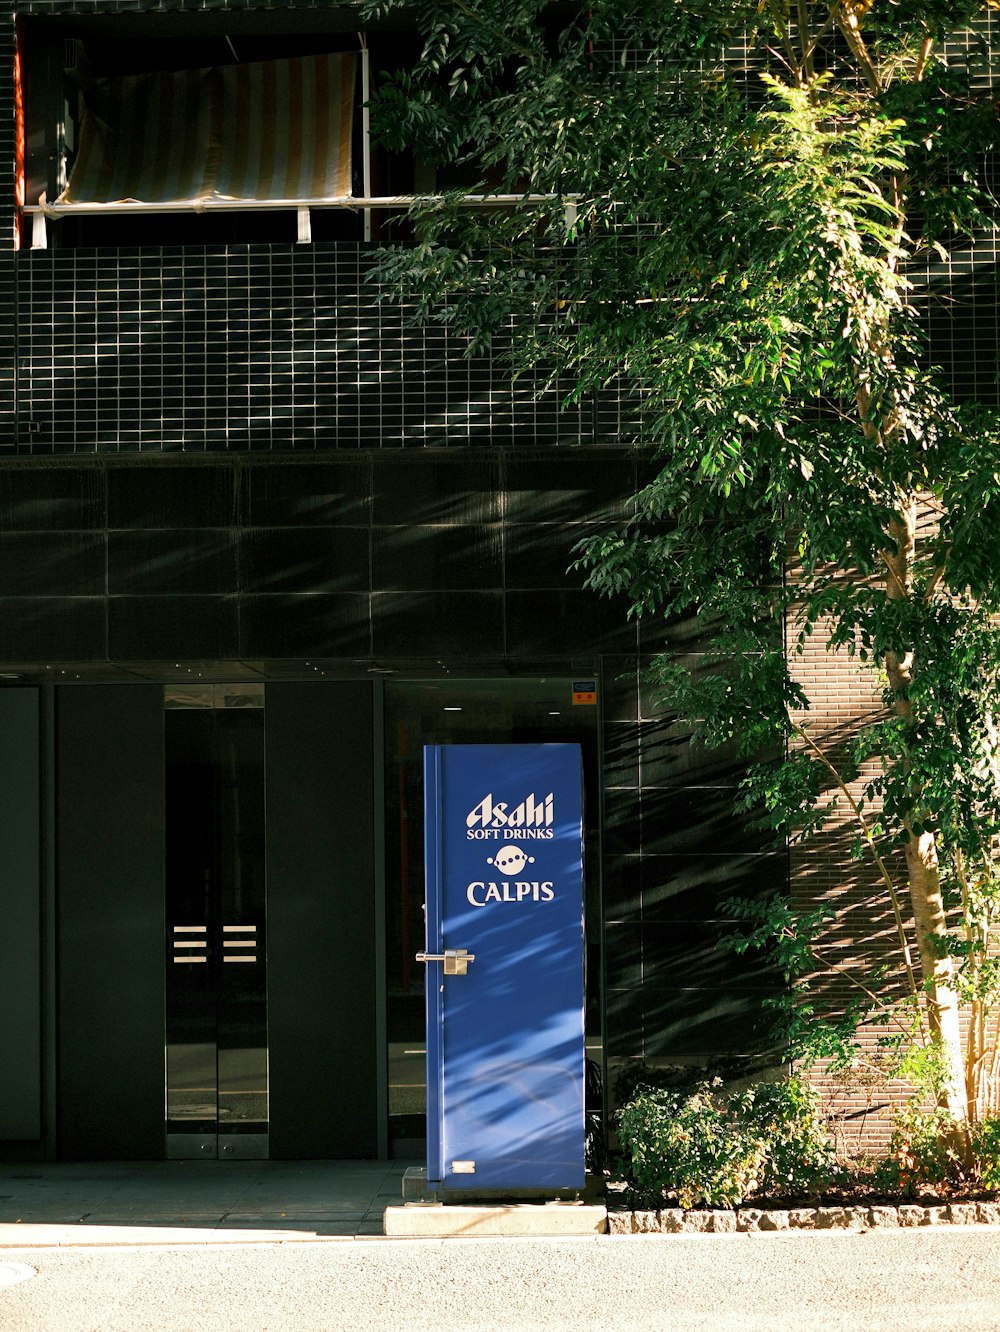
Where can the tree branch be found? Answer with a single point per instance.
(927, 46)
(838, 970)
(846, 20)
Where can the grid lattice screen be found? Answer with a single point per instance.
(251, 347)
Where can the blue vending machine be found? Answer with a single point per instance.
(505, 966)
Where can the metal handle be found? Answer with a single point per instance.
(456, 960)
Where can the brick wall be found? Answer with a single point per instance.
(860, 942)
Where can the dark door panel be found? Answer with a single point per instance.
(110, 914)
(322, 920)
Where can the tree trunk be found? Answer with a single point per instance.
(936, 971)
(921, 851)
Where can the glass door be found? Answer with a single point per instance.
(216, 1002)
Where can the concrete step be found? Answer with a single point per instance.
(521, 1220)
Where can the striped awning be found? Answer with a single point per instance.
(279, 129)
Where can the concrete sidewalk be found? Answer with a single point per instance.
(194, 1202)
(945, 1280)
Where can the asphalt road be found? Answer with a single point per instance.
(868, 1281)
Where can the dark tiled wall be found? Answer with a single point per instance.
(674, 853)
(250, 347)
(395, 554)
(413, 555)
(287, 347)
(48, 7)
(405, 554)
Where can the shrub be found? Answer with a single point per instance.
(709, 1147)
(799, 1156)
(689, 1145)
(921, 1153)
(986, 1152)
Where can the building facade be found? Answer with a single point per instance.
(262, 540)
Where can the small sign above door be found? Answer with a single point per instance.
(584, 693)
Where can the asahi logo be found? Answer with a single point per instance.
(493, 819)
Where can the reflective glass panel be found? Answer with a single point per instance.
(216, 1038)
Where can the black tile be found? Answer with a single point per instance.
(698, 819)
(699, 955)
(36, 499)
(51, 564)
(171, 496)
(418, 487)
(620, 687)
(145, 628)
(623, 951)
(622, 822)
(47, 629)
(671, 755)
(310, 559)
(621, 753)
(621, 887)
(439, 557)
(432, 624)
(624, 1035)
(540, 556)
(563, 623)
(699, 887)
(572, 486)
(171, 560)
(704, 1022)
(307, 494)
(323, 625)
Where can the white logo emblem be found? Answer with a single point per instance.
(510, 860)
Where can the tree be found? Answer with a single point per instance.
(727, 214)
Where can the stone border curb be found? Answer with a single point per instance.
(677, 1221)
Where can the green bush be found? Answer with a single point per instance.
(799, 1155)
(688, 1145)
(986, 1152)
(705, 1146)
(921, 1153)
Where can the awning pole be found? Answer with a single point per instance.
(366, 144)
(39, 227)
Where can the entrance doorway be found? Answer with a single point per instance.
(216, 1095)
(287, 1061)
(508, 710)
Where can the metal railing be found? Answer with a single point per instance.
(43, 211)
